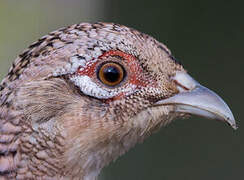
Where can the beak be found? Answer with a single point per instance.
(193, 98)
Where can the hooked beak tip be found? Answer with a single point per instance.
(198, 100)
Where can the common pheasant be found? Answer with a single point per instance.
(83, 95)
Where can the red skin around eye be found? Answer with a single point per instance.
(135, 74)
(90, 69)
(135, 69)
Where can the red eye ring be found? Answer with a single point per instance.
(111, 73)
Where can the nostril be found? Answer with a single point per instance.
(184, 81)
(180, 87)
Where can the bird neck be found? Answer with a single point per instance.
(92, 148)
(86, 158)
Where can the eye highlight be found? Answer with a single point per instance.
(111, 73)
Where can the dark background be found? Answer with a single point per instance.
(206, 36)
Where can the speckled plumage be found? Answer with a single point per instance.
(56, 123)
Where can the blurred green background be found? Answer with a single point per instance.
(207, 36)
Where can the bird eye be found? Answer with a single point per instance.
(111, 74)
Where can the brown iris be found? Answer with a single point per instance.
(111, 74)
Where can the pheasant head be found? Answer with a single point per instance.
(82, 96)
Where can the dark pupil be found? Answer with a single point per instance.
(111, 74)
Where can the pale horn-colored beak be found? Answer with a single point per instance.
(196, 99)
